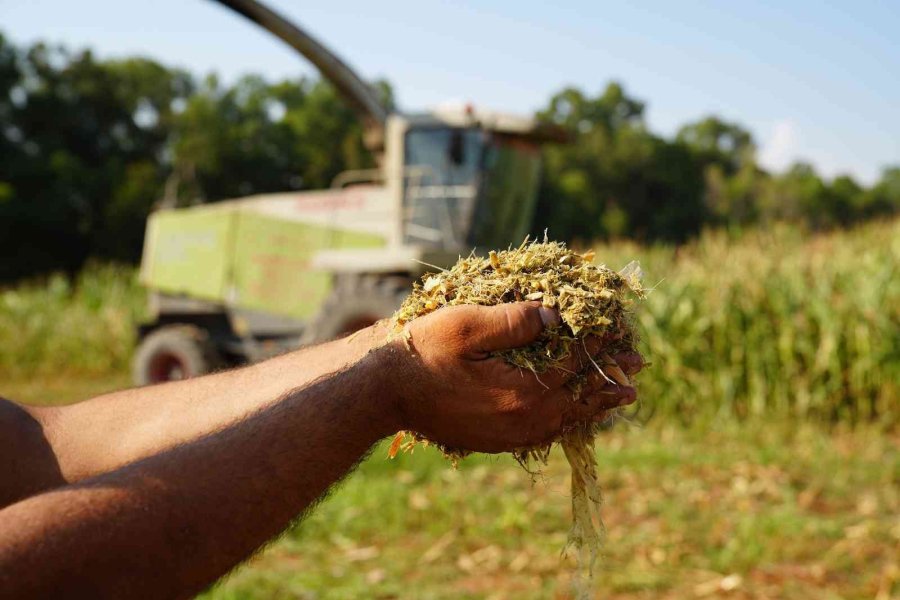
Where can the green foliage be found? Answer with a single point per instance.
(772, 323)
(80, 157)
(257, 137)
(785, 512)
(89, 146)
(714, 141)
(791, 509)
(617, 179)
(620, 180)
(51, 328)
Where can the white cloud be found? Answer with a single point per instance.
(784, 146)
(780, 148)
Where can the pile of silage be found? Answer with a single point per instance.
(592, 301)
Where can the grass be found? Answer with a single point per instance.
(760, 509)
(773, 512)
(55, 328)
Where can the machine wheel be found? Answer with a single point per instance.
(357, 302)
(174, 352)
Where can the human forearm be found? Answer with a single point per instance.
(183, 513)
(107, 432)
(169, 524)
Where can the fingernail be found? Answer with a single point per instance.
(549, 316)
(627, 399)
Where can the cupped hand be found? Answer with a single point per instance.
(450, 387)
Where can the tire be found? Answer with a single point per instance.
(356, 302)
(172, 353)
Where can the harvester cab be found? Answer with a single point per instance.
(240, 280)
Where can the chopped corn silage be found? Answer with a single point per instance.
(592, 301)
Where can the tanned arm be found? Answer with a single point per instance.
(43, 448)
(174, 522)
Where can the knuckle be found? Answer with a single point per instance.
(523, 316)
(461, 321)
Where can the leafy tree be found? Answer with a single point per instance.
(255, 137)
(81, 129)
(228, 144)
(794, 195)
(839, 202)
(10, 135)
(617, 178)
(725, 152)
(88, 147)
(718, 142)
(883, 198)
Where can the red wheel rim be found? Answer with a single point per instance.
(167, 366)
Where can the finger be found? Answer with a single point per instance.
(599, 382)
(629, 362)
(586, 358)
(504, 326)
(599, 401)
(611, 396)
(579, 361)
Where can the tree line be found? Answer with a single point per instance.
(89, 146)
(619, 179)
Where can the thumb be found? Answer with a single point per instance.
(506, 326)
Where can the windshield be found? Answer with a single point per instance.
(441, 179)
(466, 187)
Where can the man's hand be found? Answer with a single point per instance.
(177, 483)
(449, 388)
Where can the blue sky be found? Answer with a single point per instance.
(812, 80)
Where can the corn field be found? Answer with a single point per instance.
(773, 322)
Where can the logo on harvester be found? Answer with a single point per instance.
(344, 200)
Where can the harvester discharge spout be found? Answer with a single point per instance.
(360, 95)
